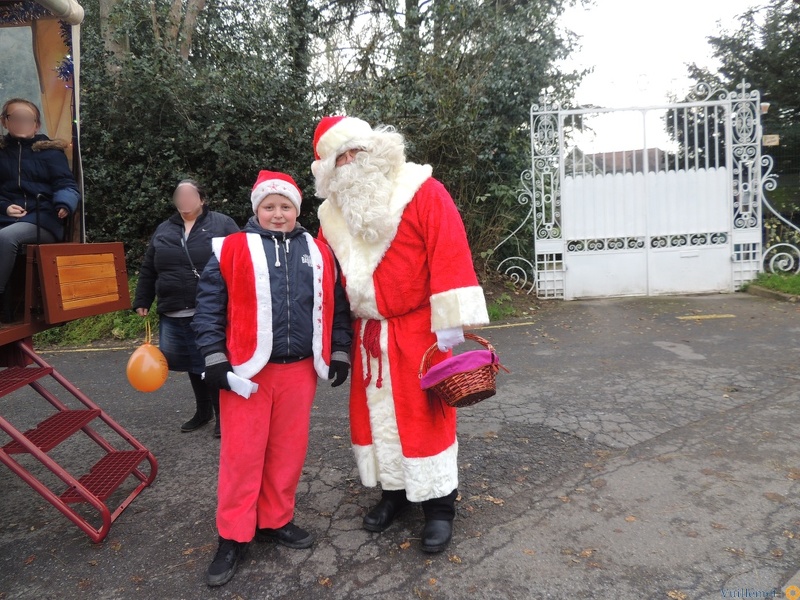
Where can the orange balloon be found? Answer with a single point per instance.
(147, 368)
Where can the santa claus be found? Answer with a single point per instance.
(409, 276)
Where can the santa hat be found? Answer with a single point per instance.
(333, 134)
(271, 182)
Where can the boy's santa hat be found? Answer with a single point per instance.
(333, 134)
(272, 182)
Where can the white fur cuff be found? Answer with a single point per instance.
(460, 307)
(367, 464)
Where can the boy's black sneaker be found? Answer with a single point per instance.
(290, 535)
(223, 567)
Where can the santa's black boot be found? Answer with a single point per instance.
(204, 410)
(392, 503)
(439, 515)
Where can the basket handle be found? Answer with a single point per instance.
(428, 356)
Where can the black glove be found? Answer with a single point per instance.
(217, 375)
(338, 369)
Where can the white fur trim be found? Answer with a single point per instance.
(275, 186)
(382, 416)
(367, 464)
(216, 246)
(383, 461)
(459, 307)
(263, 311)
(338, 136)
(358, 258)
(431, 476)
(316, 315)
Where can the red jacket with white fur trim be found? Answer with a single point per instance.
(416, 280)
(242, 302)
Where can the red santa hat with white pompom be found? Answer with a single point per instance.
(272, 182)
(334, 133)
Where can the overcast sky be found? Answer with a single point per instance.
(639, 48)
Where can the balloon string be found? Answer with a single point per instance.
(147, 330)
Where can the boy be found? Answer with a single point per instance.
(271, 309)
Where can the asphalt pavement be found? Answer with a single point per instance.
(639, 448)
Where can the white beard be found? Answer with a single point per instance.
(363, 194)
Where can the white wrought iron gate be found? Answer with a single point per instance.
(681, 218)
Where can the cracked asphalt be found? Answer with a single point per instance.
(640, 448)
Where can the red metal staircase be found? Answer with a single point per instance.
(102, 479)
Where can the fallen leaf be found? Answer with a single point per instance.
(692, 534)
(718, 526)
(529, 552)
(30, 559)
(455, 559)
(677, 595)
(793, 474)
(564, 498)
(777, 552)
(405, 545)
(630, 518)
(326, 581)
(736, 551)
(432, 581)
(775, 497)
(788, 534)
(586, 553)
(599, 483)
(497, 501)
(188, 551)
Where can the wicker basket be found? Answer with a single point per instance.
(465, 388)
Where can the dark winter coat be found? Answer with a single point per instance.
(36, 167)
(166, 270)
(292, 288)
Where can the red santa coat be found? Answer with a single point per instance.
(403, 288)
(243, 265)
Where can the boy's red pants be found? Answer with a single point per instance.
(264, 443)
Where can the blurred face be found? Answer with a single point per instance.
(277, 213)
(187, 201)
(20, 120)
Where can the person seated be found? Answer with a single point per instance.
(37, 189)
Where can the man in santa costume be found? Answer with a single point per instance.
(408, 272)
(271, 310)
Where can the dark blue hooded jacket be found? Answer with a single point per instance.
(31, 167)
(292, 288)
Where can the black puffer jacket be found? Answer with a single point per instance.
(166, 271)
(36, 167)
(292, 287)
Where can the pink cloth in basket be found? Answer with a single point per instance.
(462, 363)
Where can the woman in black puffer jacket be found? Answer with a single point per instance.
(175, 258)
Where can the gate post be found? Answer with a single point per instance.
(540, 248)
